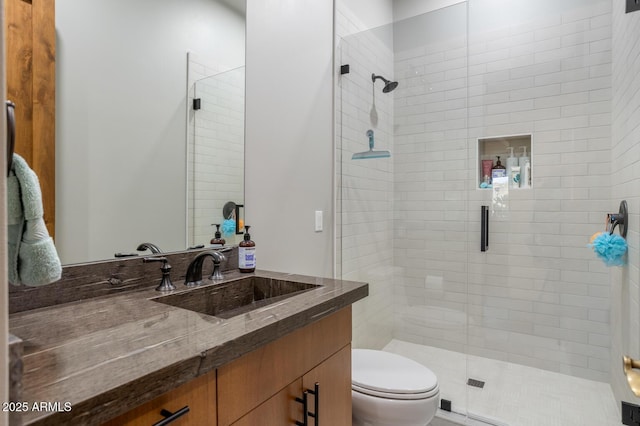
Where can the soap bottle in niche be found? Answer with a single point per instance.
(217, 239)
(498, 171)
(247, 253)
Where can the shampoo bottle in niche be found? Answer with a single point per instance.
(217, 239)
(525, 169)
(247, 253)
(512, 165)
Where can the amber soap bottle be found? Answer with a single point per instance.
(247, 253)
(217, 239)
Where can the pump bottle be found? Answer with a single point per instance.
(217, 239)
(512, 170)
(247, 253)
(525, 168)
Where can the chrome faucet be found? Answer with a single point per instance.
(152, 248)
(194, 270)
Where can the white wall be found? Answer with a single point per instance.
(368, 13)
(289, 134)
(625, 184)
(121, 86)
(4, 311)
(403, 9)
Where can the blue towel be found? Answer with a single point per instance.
(33, 259)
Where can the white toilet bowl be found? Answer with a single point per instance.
(390, 390)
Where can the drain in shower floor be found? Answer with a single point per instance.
(475, 383)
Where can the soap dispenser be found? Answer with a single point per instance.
(525, 168)
(217, 239)
(247, 253)
(512, 170)
(498, 171)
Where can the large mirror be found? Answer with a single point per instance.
(125, 124)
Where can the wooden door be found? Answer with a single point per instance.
(30, 66)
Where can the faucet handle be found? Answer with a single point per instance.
(216, 275)
(165, 283)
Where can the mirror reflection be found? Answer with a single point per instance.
(124, 170)
(216, 181)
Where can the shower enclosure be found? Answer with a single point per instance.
(496, 320)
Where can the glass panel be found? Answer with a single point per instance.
(216, 172)
(402, 219)
(365, 233)
(539, 332)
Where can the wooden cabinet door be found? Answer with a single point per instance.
(334, 389)
(30, 52)
(252, 379)
(279, 410)
(199, 395)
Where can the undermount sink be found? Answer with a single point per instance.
(233, 298)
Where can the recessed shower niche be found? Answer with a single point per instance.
(514, 154)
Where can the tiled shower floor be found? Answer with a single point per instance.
(514, 394)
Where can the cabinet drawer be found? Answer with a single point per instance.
(199, 395)
(281, 409)
(252, 379)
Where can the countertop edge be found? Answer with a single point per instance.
(116, 401)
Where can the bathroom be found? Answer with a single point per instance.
(421, 248)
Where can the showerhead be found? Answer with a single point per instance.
(388, 85)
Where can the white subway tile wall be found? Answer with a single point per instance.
(216, 146)
(539, 296)
(365, 187)
(625, 185)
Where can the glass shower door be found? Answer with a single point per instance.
(538, 299)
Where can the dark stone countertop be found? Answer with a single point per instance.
(110, 354)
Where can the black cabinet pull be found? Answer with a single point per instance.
(305, 407)
(316, 396)
(11, 133)
(484, 228)
(169, 417)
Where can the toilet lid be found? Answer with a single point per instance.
(389, 373)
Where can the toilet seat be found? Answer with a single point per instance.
(388, 375)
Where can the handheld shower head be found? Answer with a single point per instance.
(388, 85)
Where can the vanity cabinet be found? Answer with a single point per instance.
(199, 395)
(266, 386)
(267, 383)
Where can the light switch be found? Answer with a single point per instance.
(318, 220)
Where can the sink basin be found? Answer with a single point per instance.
(235, 297)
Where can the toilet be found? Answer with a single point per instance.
(390, 390)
